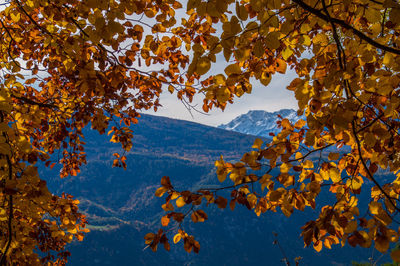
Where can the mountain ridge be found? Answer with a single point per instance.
(260, 122)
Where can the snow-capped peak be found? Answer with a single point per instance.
(259, 122)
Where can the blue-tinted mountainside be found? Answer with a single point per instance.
(259, 123)
(121, 207)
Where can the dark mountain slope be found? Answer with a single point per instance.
(121, 206)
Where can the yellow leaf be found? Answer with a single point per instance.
(221, 170)
(298, 155)
(180, 202)
(334, 174)
(233, 69)
(177, 238)
(223, 95)
(258, 48)
(375, 207)
(372, 15)
(160, 191)
(203, 65)
(265, 181)
(175, 195)
(354, 183)
(281, 66)
(242, 54)
(306, 40)
(72, 230)
(252, 199)
(388, 59)
(318, 246)
(15, 17)
(321, 39)
(287, 53)
(308, 164)
(287, 209)
(327, 243)
(257, 143)
(285, 167)
(219, 79)
(65, 220)
(222, 176)
(299, 124)
(265, 78)
(351, 227)
(272, 40)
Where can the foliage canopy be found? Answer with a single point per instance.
(70, 64)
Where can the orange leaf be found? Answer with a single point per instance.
(165, 221)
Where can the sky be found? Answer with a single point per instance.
(270, 98)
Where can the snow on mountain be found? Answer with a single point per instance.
(259, 122)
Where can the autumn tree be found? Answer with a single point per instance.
(67, 65)
(346, 58)
(70, 64)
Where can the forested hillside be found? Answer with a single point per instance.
(121, 207)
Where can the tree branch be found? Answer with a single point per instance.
(31, 19)
(343, 24)
(29, 101)
(370, 176)
(341, 54)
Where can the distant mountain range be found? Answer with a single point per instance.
(259, 122)
(121, 207)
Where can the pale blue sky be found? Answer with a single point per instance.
(271, 98)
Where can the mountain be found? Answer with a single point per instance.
(121, 207)
(259, 122)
